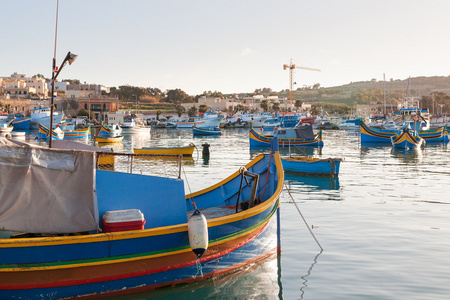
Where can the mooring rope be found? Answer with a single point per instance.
(307, 226)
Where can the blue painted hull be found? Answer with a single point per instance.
(329, 167)
(258, 140)
(22, 124)
(372, 135)
(159, 255)
(206, 131)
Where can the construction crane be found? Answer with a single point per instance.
(291, 68)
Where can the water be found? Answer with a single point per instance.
(383, 224)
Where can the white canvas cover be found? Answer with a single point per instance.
(46, 190)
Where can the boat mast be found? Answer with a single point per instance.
(54, 69)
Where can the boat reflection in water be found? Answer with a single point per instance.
(314, 187)
(260, 279)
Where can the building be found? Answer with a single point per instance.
(83, 91)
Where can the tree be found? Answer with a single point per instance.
(298, 103)
(192, 112)
(158, 113)
(179, 110)
(276, 106)
(264, 105)
(202, 108)
(175, 96)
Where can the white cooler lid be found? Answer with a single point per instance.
(127, 215)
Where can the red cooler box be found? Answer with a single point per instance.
(123, 220)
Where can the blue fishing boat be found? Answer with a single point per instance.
(312, 165)
(77, 133)
(407, 139)
(109, 130)
(298, 136)
(206, 130)
(376, 135)
(20, 122)
(57, 133)
(84, 236)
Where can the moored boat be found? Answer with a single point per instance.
(407, 139)
(94, 258)
(184, 150)
(206, 130)
(42, 116)
(298, 136)
(312, 165)
(77, 133)
(57, 133)
(109, 139)
(109, 130)
(378, 135)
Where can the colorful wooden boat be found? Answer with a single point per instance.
(109, 139)
(206, 130)
(406, 140)
(75, 258)
(312, 165)
(259, 140)
(376, 135)
(184, 150)
(109, 130)
(77, 134)
(57, 133)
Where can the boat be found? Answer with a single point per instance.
(6, 126)
(101, 240)
(206, 130)
(350, 124)
(241, 119)
(77, 133)
(132, 125)
(42, 116)
(326, 125)
(209, 119)
(297, 136)
(407, 139)
(109, 130)
(184, 150)
(20, 122)
(109, 139)
(57, 133)
(378, 135)
(311, 165)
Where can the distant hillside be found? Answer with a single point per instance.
(418, 86)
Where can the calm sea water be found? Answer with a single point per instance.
(384, 223)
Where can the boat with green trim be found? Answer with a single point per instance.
(66, 248)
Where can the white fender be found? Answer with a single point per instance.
(198, 233)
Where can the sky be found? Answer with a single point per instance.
(227, 46)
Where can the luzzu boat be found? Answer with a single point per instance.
(206, 130)
(77, 133)
(57, 133)
(110, 130)
(376, 135)
(80, 255)
(298, 136)
(406, 139)
(312, 165)
(184, 150)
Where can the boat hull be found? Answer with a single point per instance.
(372, 135)
(185, 151)
(77, 134)
(125, 262)
(311, 165)
(206, 131)
(406, 140)
(22, 123)
(114, 139)
(258, 140)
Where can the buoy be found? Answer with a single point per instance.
(198, 233)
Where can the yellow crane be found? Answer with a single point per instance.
(291, 68)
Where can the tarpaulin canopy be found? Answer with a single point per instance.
(46, 190)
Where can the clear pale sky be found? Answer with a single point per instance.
(229, 46)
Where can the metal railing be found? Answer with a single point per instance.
(167, 165)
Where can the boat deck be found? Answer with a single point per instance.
(215, 212)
